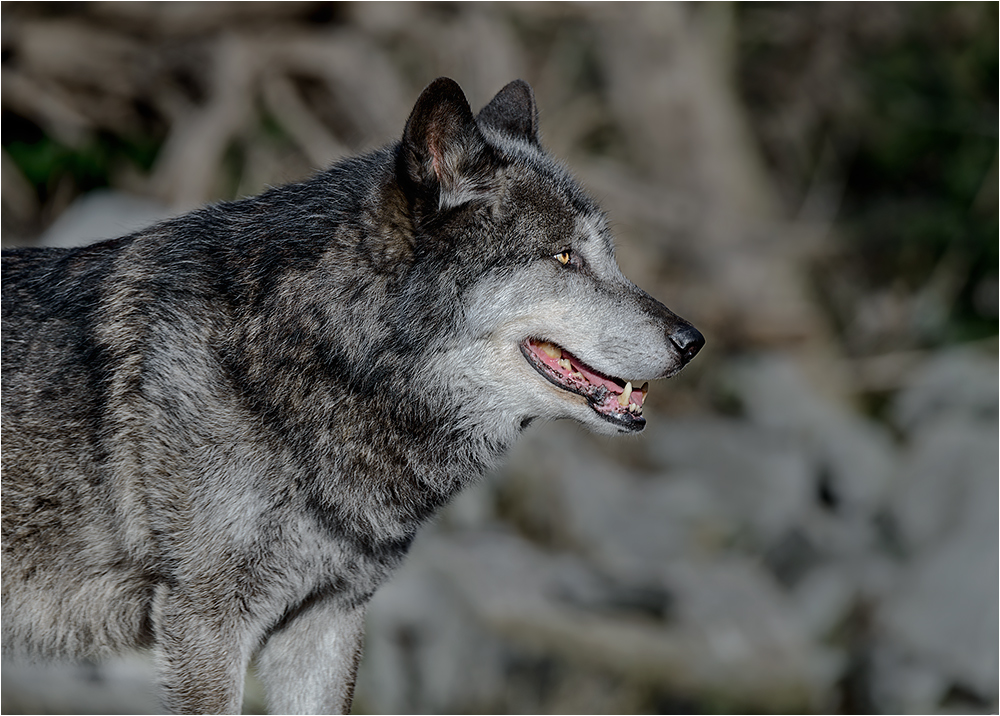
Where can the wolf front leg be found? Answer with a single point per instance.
(203, 650)
(309, 664)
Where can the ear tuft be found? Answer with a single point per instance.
(440, 135)
(513, 111)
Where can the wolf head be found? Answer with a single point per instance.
(542, 323)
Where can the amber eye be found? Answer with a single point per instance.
(563, 257)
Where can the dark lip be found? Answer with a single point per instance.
(626, 421)
(632, 423)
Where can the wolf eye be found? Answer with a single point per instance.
(563, 257)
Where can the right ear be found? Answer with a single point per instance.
(513, 111)
(440, 142)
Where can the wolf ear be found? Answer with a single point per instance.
(440, 142)
(513, 111)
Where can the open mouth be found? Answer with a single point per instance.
(612, 398)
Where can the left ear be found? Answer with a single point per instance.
(513, 111)
(440, 141)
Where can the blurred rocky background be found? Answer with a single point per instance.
(810, 520)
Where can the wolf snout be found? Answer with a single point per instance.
(688, 340)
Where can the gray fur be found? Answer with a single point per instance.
(220, 434)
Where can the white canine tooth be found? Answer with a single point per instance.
(550, 350)
(626, 394)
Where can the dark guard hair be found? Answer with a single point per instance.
(222, 432)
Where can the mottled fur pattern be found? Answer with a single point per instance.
(220, 434)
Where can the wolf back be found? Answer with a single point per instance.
(221, 433)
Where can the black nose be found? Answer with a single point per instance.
(689, 341)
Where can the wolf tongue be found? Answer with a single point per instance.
(568, 365)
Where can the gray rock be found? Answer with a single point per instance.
(609, 512)
(902, 683)
(102, 214)
(948, 478)
(960, 380)
(424, 650)
(722, 633)
(856, 455)
(943, 610)
(123, 685)
(706, 484)
(753, 480)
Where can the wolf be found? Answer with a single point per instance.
(221, 433)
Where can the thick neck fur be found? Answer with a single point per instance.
(332, 331)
